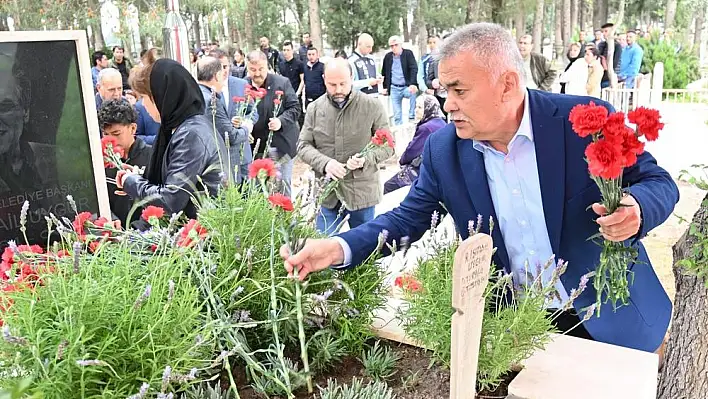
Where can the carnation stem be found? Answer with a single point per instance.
(301, 330)
(274, 311)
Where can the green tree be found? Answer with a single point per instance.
(442, 15)
(344, 20)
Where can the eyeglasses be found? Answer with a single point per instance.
(224, 66)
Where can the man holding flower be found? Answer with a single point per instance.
(512, 154)
(345, 138)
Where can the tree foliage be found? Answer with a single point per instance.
(344, 20)
(681, 66)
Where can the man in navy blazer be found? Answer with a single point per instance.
(511, 154)
(236, 88)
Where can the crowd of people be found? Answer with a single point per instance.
(322, 116)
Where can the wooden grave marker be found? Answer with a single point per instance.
(470, 276)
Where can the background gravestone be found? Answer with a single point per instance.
(47, 125)
(470, 276)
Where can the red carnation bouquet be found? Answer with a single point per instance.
(113, 154)
(614, 147)
(252, 97)
(381, 138)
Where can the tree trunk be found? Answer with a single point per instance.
(406, 31)
(302, 16)
(315, 24)
(582, 17)
(497, 11)
(421, 27)
(611, 59)
(248, 22)
(620, 13)
(558, 22)
(538, 27)
(670, 14)
(197, 27)
(566, 20)
(598, 7)
(471, 14)
(520, 20)
(574, 13)
(698, 33)
(685, 370)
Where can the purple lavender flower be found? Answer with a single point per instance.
(589, 312)
(90, 362)
(77, 256)
(170, 290)
(23, 216)
(470, 227)
(142, 392)
(479, 223)
(583, 282)
(434, 219)
(143, 297)
(11, 339)
(166, 376)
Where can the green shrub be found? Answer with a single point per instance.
(379, 362)
(356, 390)
(103, 324)
(680, 67)
(510, 333)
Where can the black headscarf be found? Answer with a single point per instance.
(177, 97)
(431, 109)
(581, 54)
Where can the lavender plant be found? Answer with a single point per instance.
(515, 322)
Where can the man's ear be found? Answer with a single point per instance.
(133, 128)
(511, 82)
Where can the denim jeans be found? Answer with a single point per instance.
(328, 220)
(397, 96)
(629, 82)
(286, 174)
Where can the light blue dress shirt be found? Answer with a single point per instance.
(516, 193)
(397, 77)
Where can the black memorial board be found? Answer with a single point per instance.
(49, 141)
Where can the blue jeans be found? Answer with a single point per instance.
(328, 220)
(629, 82)
(286, 175)
(397, 96)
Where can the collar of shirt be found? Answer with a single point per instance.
(525, 130)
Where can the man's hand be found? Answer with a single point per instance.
(373, 82)
(430, 91)
(623, 224)
(335, 170)
(315, 256)
(355, 162)
(274, 124)
(120, 178)
(248, 125)
(384, 92)
(436, 84)
(236, 121)
(412, 89)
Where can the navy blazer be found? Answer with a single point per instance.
(453, 179)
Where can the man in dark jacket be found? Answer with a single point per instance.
(602, 48)
(283, 124)
(118, 119)
(292, 68)
(271, 54)
(400, 72)
(211, 81)
(539, 71)
(306, 45)
(314, 77)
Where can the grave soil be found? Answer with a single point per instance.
(415, 378)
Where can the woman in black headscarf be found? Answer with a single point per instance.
(575, 73)
(186, 147)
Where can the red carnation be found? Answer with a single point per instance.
(281, 201)
(79, 222)
(190, 233)
(587, 119)
(383, 137)
(631, 147)
(152, 211)
(265, 165)
(100, 222)
(279, 93)
(604, 159)
(408, 283)
(110, 146)
(276, 101)
(647, 121)
(238, 99)
(615, 129)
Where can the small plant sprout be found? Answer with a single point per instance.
(379, 362)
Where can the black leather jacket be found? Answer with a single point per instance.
(193, 151)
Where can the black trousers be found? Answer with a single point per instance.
(567, 321)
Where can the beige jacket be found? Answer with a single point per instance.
(595, 72)
(333, 133)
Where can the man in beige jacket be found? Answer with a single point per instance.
(338, 126)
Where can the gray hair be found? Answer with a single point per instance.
(107, 73)
(207, 68)
(256, 55)
(492, 46)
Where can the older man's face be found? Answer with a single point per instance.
(396, 47)
(474, 100)
(258, 71)
(11, 112)
(110, 87)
